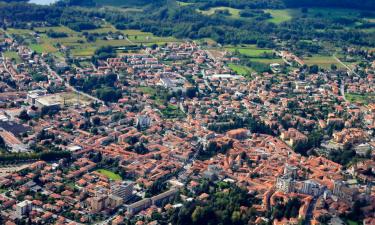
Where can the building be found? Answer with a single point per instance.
(123, 190)
(143, 121)
(285, 184)
(23, 208)
(292, 137)
(310, 187)
(51, 102)
(98, 203)
(114, 201)
(343, 192)
(165, 197)
(34, 94)
(139, 206)
(290, 171)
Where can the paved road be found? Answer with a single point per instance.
(346, 66)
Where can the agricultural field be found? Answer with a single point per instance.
(40, 42)
(234, 13)
(249, 50)
(322, 61)
(267, 60)
(109, 174)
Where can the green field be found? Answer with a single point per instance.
(360, 98)
(241, 70)
(283, 15)
(280, 15)
(322, 61)
(267, 61)
(234, 13)
(77, 43)
(249, 50)
(109, 174)
(12, 55)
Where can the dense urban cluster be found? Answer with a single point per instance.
(132, 138)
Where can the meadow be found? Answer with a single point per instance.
(234, 13)
(12, 55)
(241, 70)
(40, 42)
(360, 98)
(322, 61)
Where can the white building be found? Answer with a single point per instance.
(23, 208)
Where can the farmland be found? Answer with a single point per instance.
(249, 50)
(78, 44)
(322, 61)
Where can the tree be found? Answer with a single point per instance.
(96, 121)
(313, 69)
(24, 116)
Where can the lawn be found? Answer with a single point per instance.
(360, 98)
(109, 174)
(234, 13)
(322, 61)
(172, 111)
(148, 90)
(12, 55)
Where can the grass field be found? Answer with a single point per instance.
(360, 98)
(44, 47)
(241, 70)
(109, 174)
(267, 61)
(234, 13)
(249, 50)
(78, 44)
(12, 55)
(280, 15)
(322, 61)
(283, 15)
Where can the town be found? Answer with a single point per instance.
(136, 135)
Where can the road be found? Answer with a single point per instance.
(346, 66)
(310, 210)
(5, 66)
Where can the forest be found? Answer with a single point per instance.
(170, 19)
